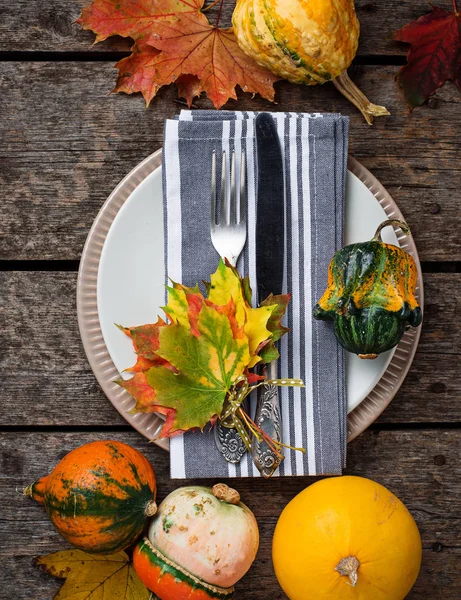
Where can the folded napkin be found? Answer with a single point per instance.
(314, 149)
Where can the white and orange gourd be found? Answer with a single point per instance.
(200, 543)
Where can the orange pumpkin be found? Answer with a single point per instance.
(99, 496)
(346, 538)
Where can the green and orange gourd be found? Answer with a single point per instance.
(198, 545)
(370, 295)
(304, 41)
(99, 496)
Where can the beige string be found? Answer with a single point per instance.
(231, 416)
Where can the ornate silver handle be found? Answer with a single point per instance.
(228, 441)
(267, 417)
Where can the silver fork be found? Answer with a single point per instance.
(228, 235)
(228, 228)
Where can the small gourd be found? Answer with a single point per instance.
(370, 295)
(199, 544)
(99, 496)
(304, 41)
(346, 538)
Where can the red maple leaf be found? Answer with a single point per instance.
(434, 56)
(175, 43)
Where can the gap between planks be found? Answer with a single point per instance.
(73, 266)
(108, 56)
(376, 427)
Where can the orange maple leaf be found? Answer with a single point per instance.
(131, 19)
(175, 42)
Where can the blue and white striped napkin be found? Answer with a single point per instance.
(314, 148)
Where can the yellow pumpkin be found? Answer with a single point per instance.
(304, 41)
(346, 538)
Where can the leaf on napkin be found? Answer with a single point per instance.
(279, 306)
(207, 367)
(208, 343)
(175, 43)
(225, 284)
(434, 56)
(94, 576)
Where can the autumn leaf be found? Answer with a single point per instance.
(434, 56)
(207, 367)
(145, 343)
(185, 368)
(190, 45)
(225, 283)
(138, 387)
(279, 306)
(177, 308)
(175, 43)
(131, 19)
(94, 576)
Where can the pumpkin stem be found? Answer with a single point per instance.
(36, 490)
(348, 567)
(151, 508)
(403, 226)
(347, 87)
(225, 493)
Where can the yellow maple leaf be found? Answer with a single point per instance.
(94, 576)
(226, 284)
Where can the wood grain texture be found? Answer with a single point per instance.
(421, 467)
(50, 26)
(66, 144)
(46, 379)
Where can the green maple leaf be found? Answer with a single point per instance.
(185, 368)
(279, 304)
(207, 365)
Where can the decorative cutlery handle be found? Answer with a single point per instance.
(267, 417)
(228, 441)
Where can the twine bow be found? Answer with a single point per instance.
(234, 417)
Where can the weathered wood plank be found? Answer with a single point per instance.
(50, 26)
(421, 467)
(58, 163)
(46, 379)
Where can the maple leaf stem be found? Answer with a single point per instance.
(219, 13)
(211, 5)
(455, 7)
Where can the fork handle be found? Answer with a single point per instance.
(267, 418)
(228, 441)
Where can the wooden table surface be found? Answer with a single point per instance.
(65, 144)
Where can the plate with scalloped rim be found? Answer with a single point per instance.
(126, 240)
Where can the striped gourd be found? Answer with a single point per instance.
(99, 496)
(304, 41)
(169, 580)
(370, 295)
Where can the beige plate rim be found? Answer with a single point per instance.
(104, 369)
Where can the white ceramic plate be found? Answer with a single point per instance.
(121, 280)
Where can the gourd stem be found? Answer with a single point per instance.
(27, 491)
(225, 493)
(347, 87)
(37, 490)
(151, 508)
(348, 567)
(403, 226)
